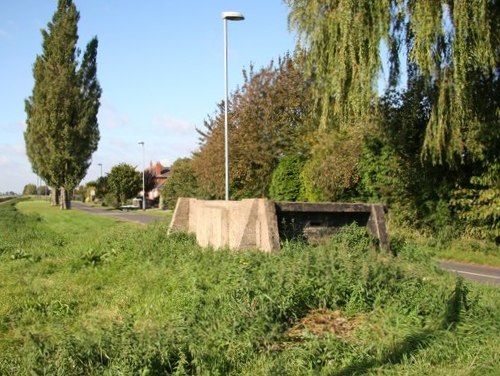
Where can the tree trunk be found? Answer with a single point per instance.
(65, 199)
(54, 196)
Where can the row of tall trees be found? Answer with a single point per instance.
(315, 126)
(62, 130)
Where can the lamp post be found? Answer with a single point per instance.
(227, 16)
(100, 165)
(143, 185)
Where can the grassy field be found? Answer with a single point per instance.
(85, 295)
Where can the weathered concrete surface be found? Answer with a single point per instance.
(245, 224)
(260, 223)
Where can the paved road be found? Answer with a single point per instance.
(485, 274)
(132, 217)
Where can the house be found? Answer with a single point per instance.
(160, 175)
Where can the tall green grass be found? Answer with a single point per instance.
(92, 296)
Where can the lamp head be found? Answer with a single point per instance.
(233, 16)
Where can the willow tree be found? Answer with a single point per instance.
(62, 129)
(453, 45)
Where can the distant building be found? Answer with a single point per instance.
(160, 175)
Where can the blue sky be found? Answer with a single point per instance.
(160, 65)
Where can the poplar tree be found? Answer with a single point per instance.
(62, 130)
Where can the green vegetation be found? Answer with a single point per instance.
(29, 189)
(62, 131)
(270, 117)
(426, 147)
(180, 183)
(123, 182)
(84, 295)
(286, 182)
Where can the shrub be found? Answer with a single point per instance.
(331, 173)
(478, 205)
(111, 200)
(286, 184)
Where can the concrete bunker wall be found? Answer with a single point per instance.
(244, 224)
(260, 223)
(315, 220)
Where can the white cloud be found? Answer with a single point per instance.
(15, 169)
(172, 125)
(3, 160)
(110, 117)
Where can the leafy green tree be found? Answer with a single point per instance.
(479, 205)
(453, 45)
(62, 129)
(268, 118)
(429, 147)
(331, 173)
(124, 181)
(286, 183)
(181, 182)
(101, 185)
(29, 189)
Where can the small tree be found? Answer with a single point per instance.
(101, 187)
(124, 181)
(29, 189)
(181, 182)
(286, 182)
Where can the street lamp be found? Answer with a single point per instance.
(100, 165)
(143, 185)
(227, 16)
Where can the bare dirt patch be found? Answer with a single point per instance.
(323, 322)
(319, 323)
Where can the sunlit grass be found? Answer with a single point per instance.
(88, 295)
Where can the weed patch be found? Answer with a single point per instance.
(119, 299)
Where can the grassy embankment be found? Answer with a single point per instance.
(85, 295)
(464, 249)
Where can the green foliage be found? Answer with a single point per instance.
(182, 182)
(110, 199)
(451, 45)
(123, 300)
(124, 182)
(331, 173)
(342, 38)
(268, 117)
(29, 189)
(62, 130)
(478, 204)
(101, 186)
(286, 184)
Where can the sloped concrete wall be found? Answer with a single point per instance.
(245, 224)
